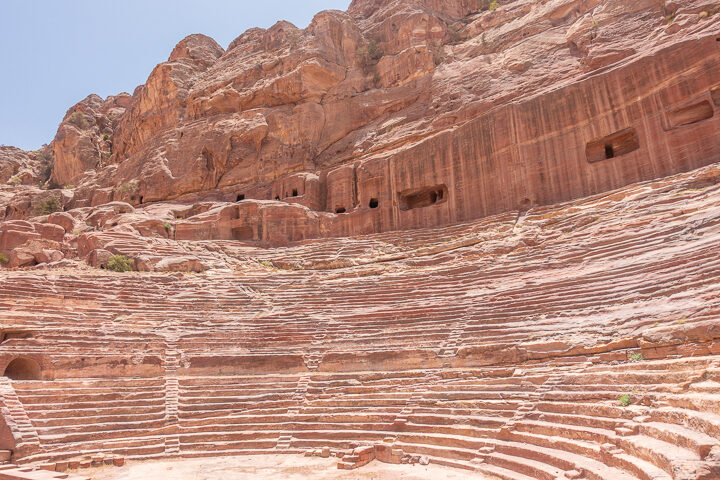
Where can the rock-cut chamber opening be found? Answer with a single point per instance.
(422, 197)
(613, 146)
(23, 369)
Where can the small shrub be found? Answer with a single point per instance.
(127, 188)
(682, 321)
(167, 225)
(374, 51)
(370, 55)
(267, 264)
(493, 6)
(76, 232)
(68, 187)
(14, 181)
(48, 206)
(636, 357)
(47, 169)
(44, 154)
(119, 263)
(624, 400)
(4, 259)
(79, 120)
(105, 137)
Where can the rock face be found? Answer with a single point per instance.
(18, 167)
(82, 143)
(462, 232)
(407, 113)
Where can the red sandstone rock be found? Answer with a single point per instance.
(18, 167)
(99, 257)
(65, 220)
(318, 118)
(48, 256)
(21, 258)
(501, 343)
(179, 264)
(82, 142)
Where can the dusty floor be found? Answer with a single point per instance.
(273, 467)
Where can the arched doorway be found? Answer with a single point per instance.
(23, 369)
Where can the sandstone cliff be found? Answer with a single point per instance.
(395, 114)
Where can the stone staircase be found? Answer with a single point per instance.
(172, 398)
(284, 442)
(13, 411)
(450, 348)
(313, 355)
(299, 396)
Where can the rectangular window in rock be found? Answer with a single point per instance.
(422, 197)
(692, 114)
(615, 145)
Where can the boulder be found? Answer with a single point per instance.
(63, 219)
(48, 256)
(99, 257)
(180, 264)
(21, 257)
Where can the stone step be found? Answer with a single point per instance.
(503, 473)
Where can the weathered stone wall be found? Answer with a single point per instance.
(652, 117)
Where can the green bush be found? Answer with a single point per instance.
(493, 5)
(119, 263)
(47, 169)
(48, 206)
(68, 187)
(4, 259)
(127, 188)
(370, 55)
(167, 225)
(105, 137)
(636, 357)
(624, 400)
(14, 181)
(45, 154)
(79, 120)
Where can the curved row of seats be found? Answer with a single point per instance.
(502, 346)
(540, 422)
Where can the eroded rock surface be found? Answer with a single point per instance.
(363, 116)
(417, 232)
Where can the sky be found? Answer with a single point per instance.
(54, 53)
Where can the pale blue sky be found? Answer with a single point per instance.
(53, 53)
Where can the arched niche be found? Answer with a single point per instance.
(23, 369)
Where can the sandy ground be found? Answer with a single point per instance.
(273, 467)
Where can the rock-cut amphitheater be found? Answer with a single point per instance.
(419, 239)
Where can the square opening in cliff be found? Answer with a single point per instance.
(613, 146)
(422, 197)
